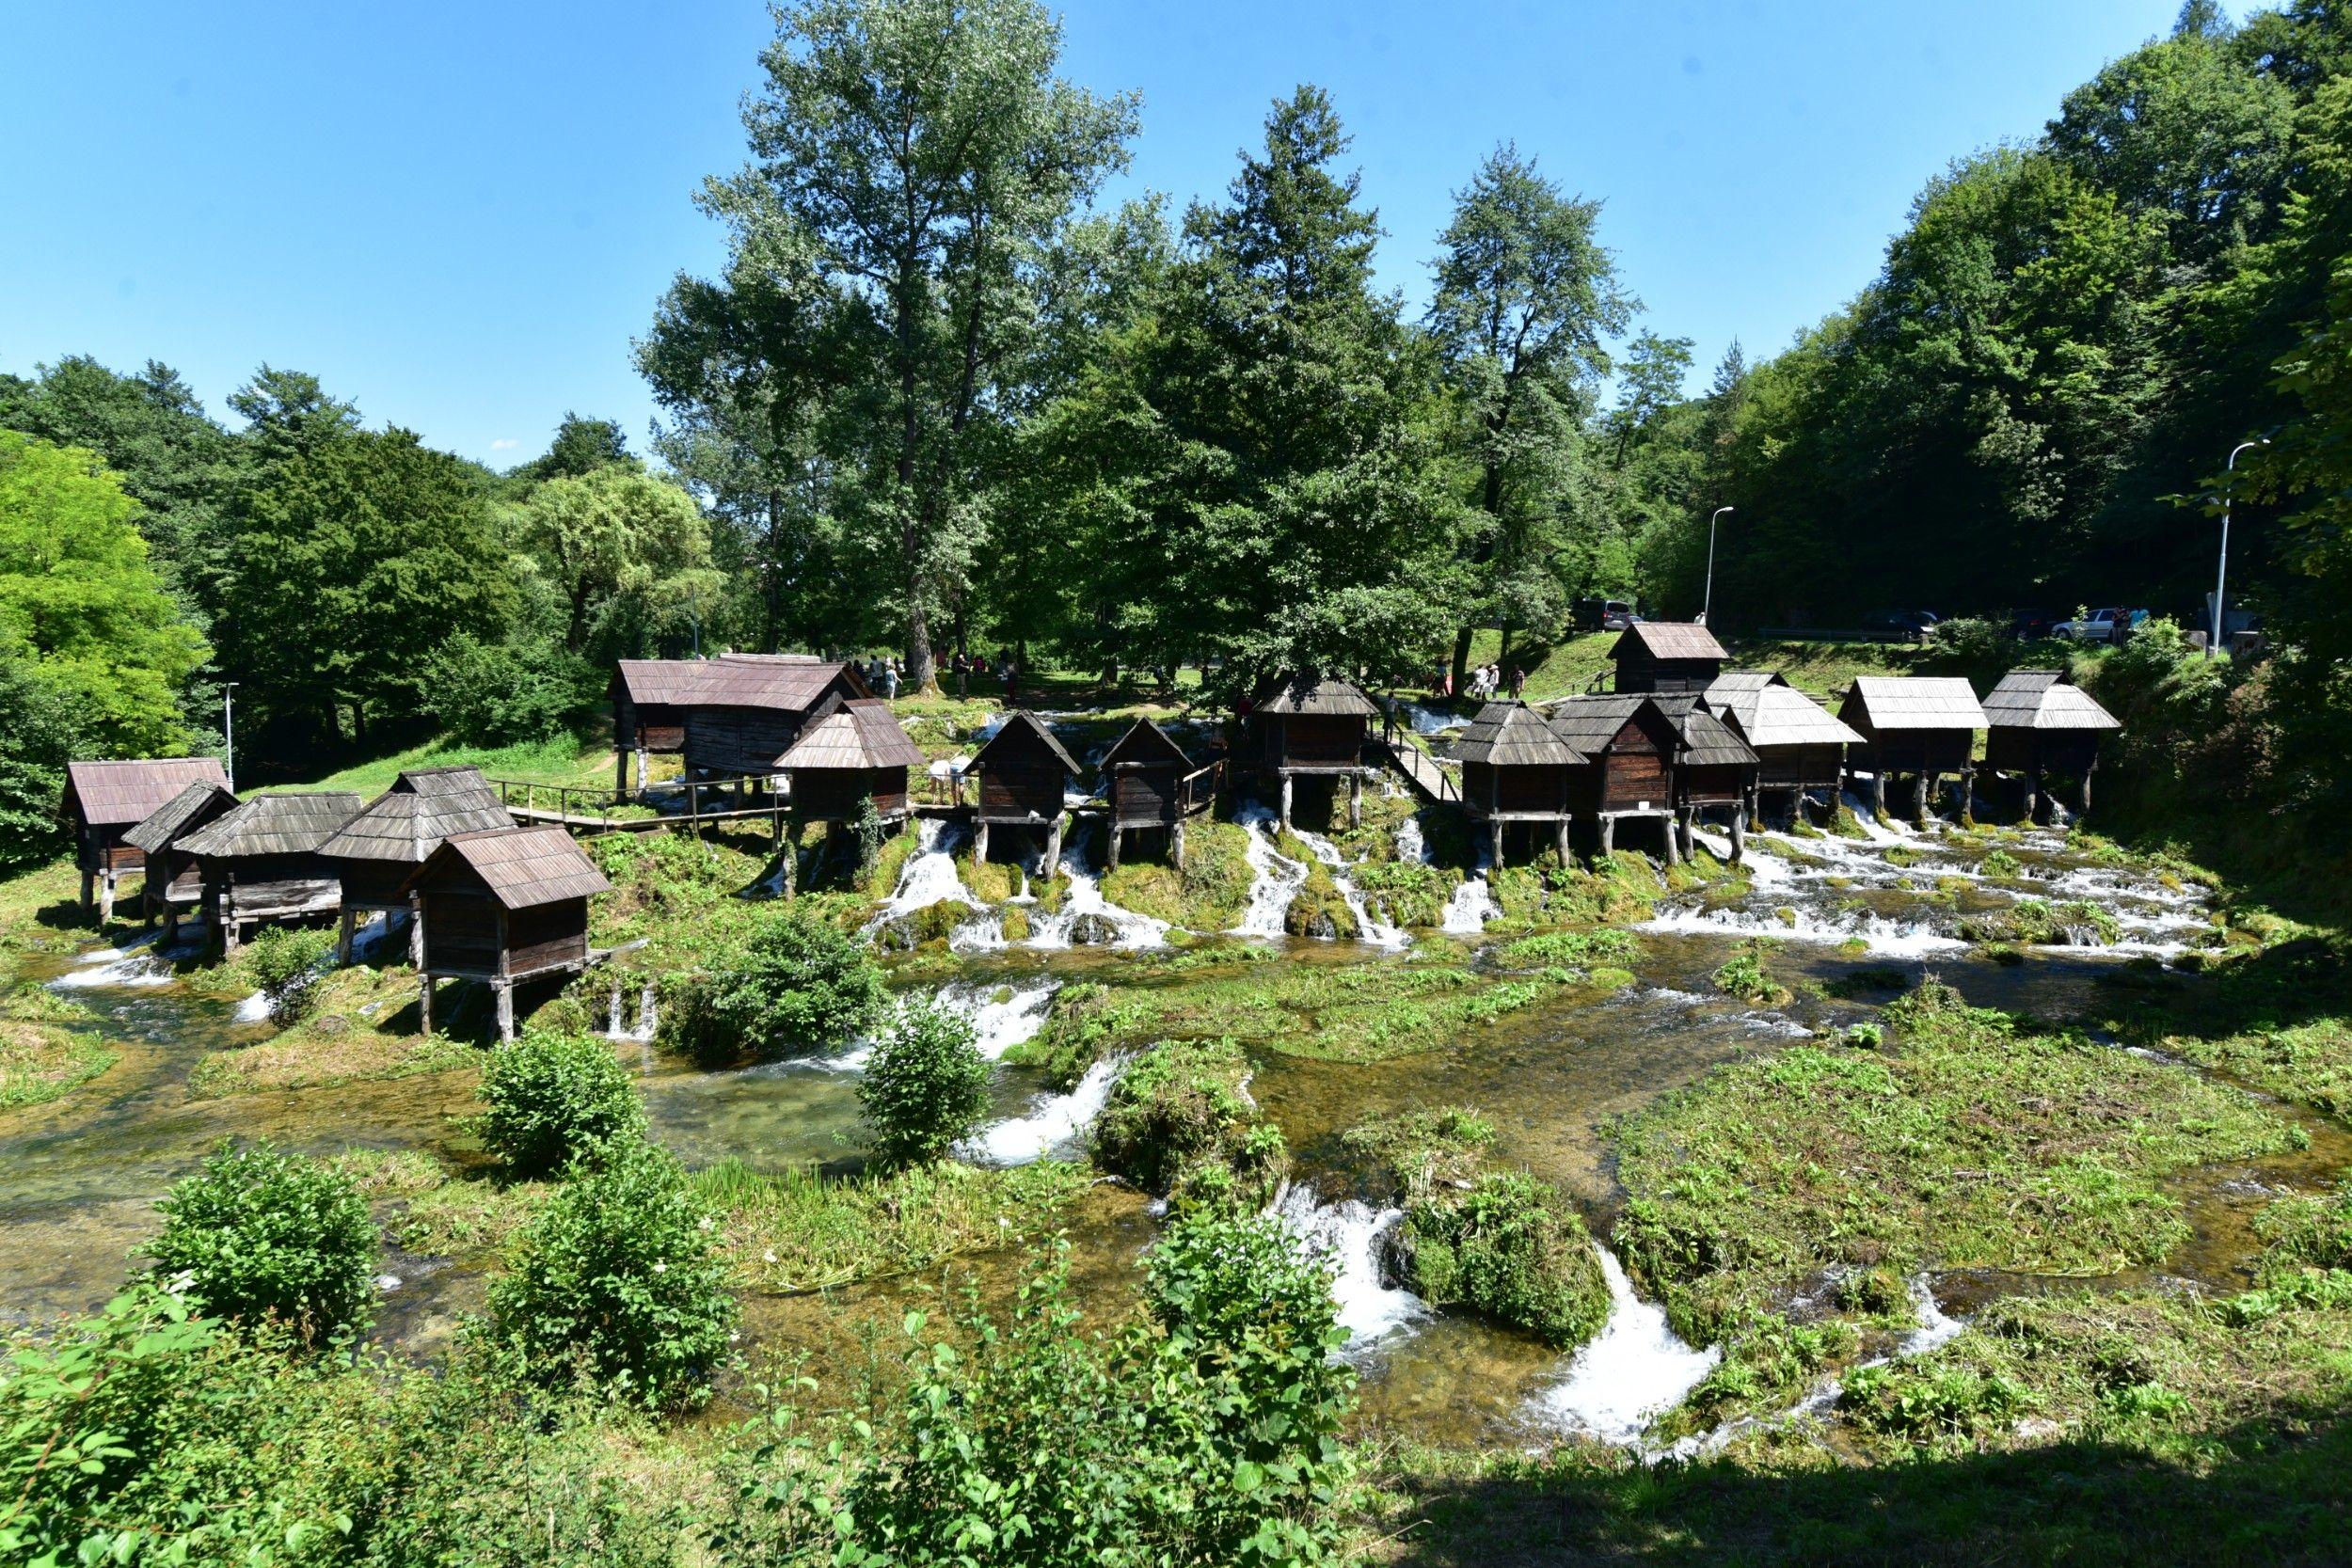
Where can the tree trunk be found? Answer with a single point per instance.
(1461, 658)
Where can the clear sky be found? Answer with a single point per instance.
(458, 216)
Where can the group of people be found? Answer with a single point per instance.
(886, 675)
(1486, 681)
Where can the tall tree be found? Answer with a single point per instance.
(1525, 296)
(613, 532)
(581, 445)
(928, 153)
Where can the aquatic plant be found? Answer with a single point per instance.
(1509, 1246)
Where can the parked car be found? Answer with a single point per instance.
(2027, 624)
(2102, 625)
(1911, 624)
(1617, 615)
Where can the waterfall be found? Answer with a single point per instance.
(118, 966)
(1274, 879)
(1348, 1234)
(1371, 927)
(1084, 901)
(1003, 1016)
(929, 876)
(1055, 1123)
(1470, 909)
(1635, 1368)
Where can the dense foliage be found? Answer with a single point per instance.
(792, 982)
(552, 1098)
(260, 1236)
(926, 1087)
(616, 1283)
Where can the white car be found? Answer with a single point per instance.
(2102, 625)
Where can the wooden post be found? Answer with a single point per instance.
(1674, 849)
(88, 881)
(503, 992)
(424, 1004)
(1919, 799)
(1355, 798)
(979, 844)
(1176, 842)
(645, 768)
(791, 852)
(1286, 802)
(2090, 768)
(620, 767)
(416, 931)
(1053, 845)
(1877, 795)
(1607, 833)
(343, 937)
(107, 894)
(1739, 833)
(1495, 828)
(1560, 830)
(1689, 818)
(1113, 862)
(2033, 791)
(1968, 797)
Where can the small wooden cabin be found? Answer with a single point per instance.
(748, 709)
(1714, 770)
(1667, 656)
(103, 800)
(1924, 725)
(2039, 722)
(170, 881)
(650, 699)
(1799, 744)
(373, 854)
(1316, 728)
(261, 861)
(1516, 770)
(1023, 772)
(1148, 781)
(851, 752)
(1628, 745)
(504, 905)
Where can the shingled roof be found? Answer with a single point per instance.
(1329, 695)
(1706, 741)
(1886, 703)
(1145, 742)
(1588, 722)
(1670, 640)
(1512, 734)
(1019, 723)
(2044, 699)
(783, 683)
(191, 808)
(858, 734)
(1733, 690)
(294, 824)
(117, 794)
(523, 867)
(658, 682)
(1783, 716)
(424, 806)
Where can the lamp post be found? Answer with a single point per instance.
(2221, 577)
(1708, 603)
(229, 732)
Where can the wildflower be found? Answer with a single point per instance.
(703, 1225)
(661, 1268)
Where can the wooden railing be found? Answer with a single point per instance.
(1198, 790)
(580, 806)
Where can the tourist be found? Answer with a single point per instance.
(890, 680)
(1518, 682)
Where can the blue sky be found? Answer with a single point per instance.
(458, 216)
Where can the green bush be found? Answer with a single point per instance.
(1926, 1404)
(1178, 1112)
(262, 1236)
(1511, 1247)
(43, 727)
(926, 1087)
(288, 963)
(616, 1281)
(553, 1097)
(794, 983)
(498, 694)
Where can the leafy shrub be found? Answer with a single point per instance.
(1924, 1404)
(926, 1087)
(1178, 1106)
(794, 983)
(616, 1281)
(265, 1236)
(1768, 1357)
(45, 733)
(1511, 1247)
(497, 693)
(1864, 1036)
(288, 963)
(553, 1097)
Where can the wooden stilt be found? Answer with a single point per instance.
(1176, 843)
(1967, 796)
(979, 844)
(1919, 799)
(1356, 799)
(791, 853)
(1674, 846)
(644, 769)
(424, 1004)
(106, 895)
(2087, 772)
(88, 881)
(1562, 833)
(1495, 843)
(1607, 833)
(1877, 795)
(1053, 845)
(1286, 802)
(1739, 833)
(1111, 863)
(1690, 832)
(343, 937)
(503, 992)
(415, 934)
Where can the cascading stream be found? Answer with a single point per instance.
(1275, 879)
(1372, 927)
(1634, 1369)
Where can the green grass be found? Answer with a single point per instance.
(1560, 670)
(1820, 669)
(41, 1062)
(564, 760)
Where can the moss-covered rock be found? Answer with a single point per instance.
(1208, 893)
(1179, 1121)
(2035, 923)
(1511, 1247)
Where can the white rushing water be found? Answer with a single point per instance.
(1084, 898)
(1432, 720)
(929, 876)
(1055, 1123)
(116, 966)
(1880, 935)
(1003, 1016)
(1370, 925)
(1635, 1368)
(1470, 909)
(1348, 1235)
(1275, 879)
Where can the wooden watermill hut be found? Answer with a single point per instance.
(1798, 745)
(650, 699)
(748, 709)
(103, 800)
(1667, 656)
(1311, 728)
(1152, 785)
(170, 881)
(1022, 775)
(1516, 769)
(1628, 745)
(261, 861)
(1924, 725)
(503, 907)
(1714, 770)
(373, 854)
(2038, 723)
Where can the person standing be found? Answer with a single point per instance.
(1519, 683)
(890, 680)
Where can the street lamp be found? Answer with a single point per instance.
(1708, 603)
(2221, 577)
(228, 731)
